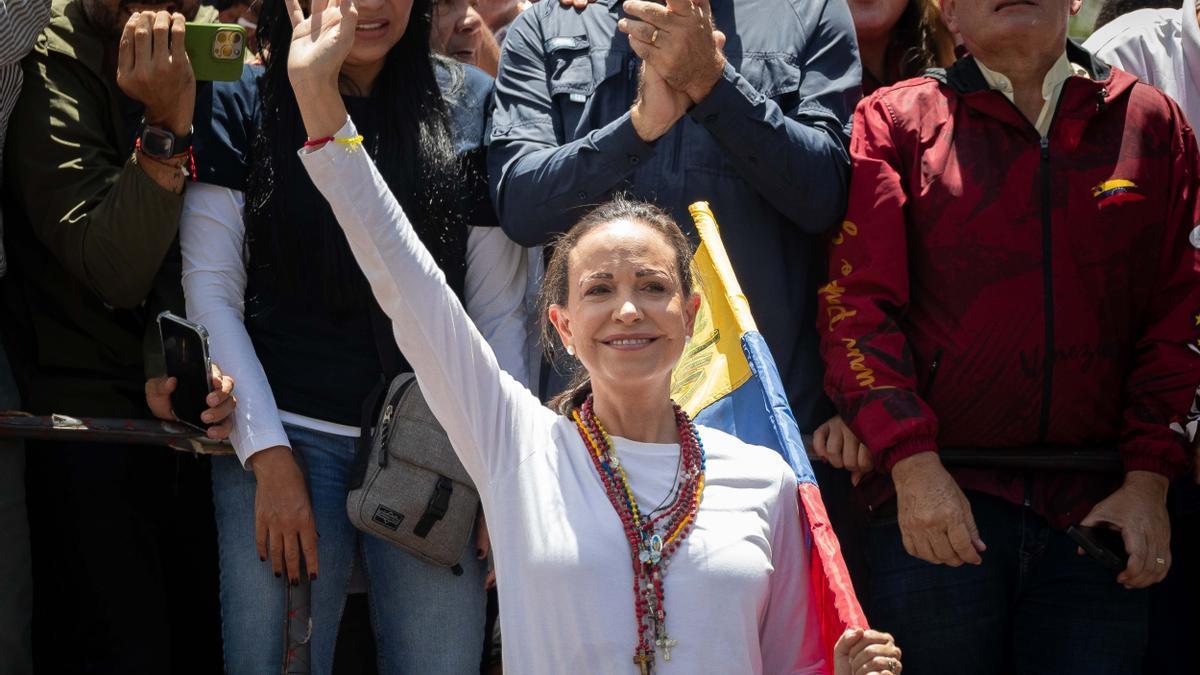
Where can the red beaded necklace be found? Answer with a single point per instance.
(654, 538)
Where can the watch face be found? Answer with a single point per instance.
(157, 142)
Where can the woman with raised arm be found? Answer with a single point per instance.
(626, 539)
(267, 269)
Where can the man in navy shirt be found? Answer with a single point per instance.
(752, 120)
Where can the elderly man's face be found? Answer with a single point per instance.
(991, 25)
(110, 16)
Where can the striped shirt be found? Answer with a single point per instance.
(20, 23)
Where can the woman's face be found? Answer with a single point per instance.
(875, 19)
(381, 24)
(626, 316)
(456, 30)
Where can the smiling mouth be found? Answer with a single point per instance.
(1018, 3)
(629, 342)
(374, 25)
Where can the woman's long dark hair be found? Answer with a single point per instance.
(291, 232)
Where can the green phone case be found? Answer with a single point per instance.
(216, 50)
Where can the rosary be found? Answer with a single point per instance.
(654, 538)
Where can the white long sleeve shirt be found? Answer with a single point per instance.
(736, 592)
(212, 239)
(1161, 47)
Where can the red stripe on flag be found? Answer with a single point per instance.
(832, 593)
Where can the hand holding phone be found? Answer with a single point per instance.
(185, 348)
(1102, 544)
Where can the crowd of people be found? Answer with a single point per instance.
(960, 233)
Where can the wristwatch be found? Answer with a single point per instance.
(161, 144)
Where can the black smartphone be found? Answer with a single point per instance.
(185, 347)
(1101, 543)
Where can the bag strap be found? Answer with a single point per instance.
(437, 507)
(388, 352)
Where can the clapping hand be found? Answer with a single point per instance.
(679, 41)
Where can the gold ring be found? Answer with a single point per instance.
(894, 665)
(654, 36)
(1161, 561)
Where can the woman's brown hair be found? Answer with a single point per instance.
(556, 284)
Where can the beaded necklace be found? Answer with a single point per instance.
(652, 538)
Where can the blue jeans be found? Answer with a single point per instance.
(425, 619)
(1032, 607)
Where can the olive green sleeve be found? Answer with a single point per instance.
(99, 214)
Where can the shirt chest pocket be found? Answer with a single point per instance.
(575, 72)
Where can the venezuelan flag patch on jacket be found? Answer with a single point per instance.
(1119, 191)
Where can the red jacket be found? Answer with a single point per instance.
(971, 245)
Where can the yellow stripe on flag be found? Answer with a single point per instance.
(713, 364)
(1112, 185)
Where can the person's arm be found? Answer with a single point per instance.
(867, 354)
(797, 158)
(485, 411)
(537, 182)
(494, 296)
(789, 634)
(1166, 366)
(212, 241)
(102, 214)
(20, 23)
(861, 341)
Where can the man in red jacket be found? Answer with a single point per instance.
(1017, 269)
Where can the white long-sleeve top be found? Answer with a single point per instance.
(212, 240)
(736, 592)
(1161, 47)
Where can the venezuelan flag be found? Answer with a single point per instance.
(1120, 191)
(727, 380)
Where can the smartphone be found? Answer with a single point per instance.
(1101, 543)
(185, 347)
(216, 50)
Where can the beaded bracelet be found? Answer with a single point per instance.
(353, 140)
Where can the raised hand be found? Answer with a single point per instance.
(320, 44)
(153, 68)
(320, 41)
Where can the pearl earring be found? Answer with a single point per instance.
(570, 350)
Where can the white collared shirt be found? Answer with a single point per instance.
(1160, 46)
(1052, 85)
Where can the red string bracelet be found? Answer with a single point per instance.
(318, 141)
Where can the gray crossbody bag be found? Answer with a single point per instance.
(412, 490)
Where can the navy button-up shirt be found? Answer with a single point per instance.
(767, 148)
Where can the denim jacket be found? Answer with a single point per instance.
(767, 148)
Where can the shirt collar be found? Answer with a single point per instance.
(1060, 72)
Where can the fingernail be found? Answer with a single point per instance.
(278, 574)
(212, 400)
(207, 417)
(295, 582)
(262, 559)
(479, 553)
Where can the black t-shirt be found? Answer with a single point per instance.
(323, 363)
